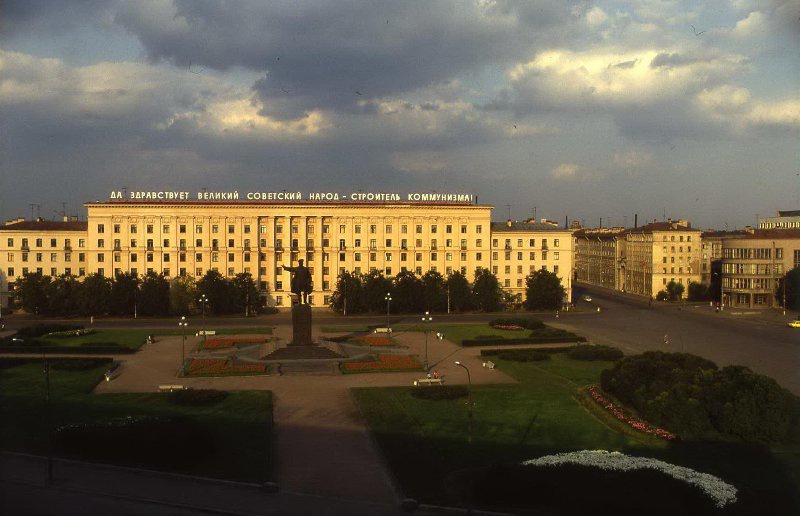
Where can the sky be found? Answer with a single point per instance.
(689, 109)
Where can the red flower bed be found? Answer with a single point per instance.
(198, 366)
(229, 342)
(512, 327)
(385, 363)
(377, 340)
(633, 421)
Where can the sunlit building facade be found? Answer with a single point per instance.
(189, 238)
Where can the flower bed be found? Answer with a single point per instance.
(221, 366)
(376, 340)
(68, 333)
(632, 421)
(229, 342)
(512, 327)
(384, 363)
(720, 491)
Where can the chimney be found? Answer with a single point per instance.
(74, 218)
(66, 219)
(508, 223)
(635, 220)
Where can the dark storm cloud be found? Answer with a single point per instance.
(50, 15)
(331, 55)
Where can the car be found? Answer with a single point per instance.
(794, 324)
(113, 372)
(588, 299)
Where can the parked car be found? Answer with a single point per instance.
(114, 371)
(795, 324)
(587, 298)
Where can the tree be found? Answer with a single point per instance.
(461, 297)
(124, 291)
(407, 290)
(182, 293)
(715, 283)
(434, 292)
(544, 291)
(674, 290)
(217, 291)
(153, 295)
(376, 286)
(31, 292)
(95, 293)
(62, 296)
(697, 291)
(348, 298)
(790, 282)
(486, 291)
(244, 294)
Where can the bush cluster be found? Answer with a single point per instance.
(529, 323)
(39, 330)
(494, 341)
(595, 353)
(549, 351)
(196, 396)
(440, 392)
(690, 396)
(524, 355)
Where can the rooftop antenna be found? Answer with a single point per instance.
(509, 211)
(534, 213)
(625, 221)
(63, 209)
(32, 205)
(664, 215)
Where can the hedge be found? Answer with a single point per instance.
(63, 363)
(39, 330)
(523, 355)
(523, 340)
(495, 352)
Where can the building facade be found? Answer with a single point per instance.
(753, 264)
(789, 219)
(660, 252)
(599, 257)
(182, 237)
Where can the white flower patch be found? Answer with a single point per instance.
(720, 491)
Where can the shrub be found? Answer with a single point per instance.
(101, 344)
(440, 392)
(69, 333)
(78, 364)
(595, 353)
(549, 351)
(528, 323)
(9, 362)
(523, 355)
(196, 396)
(689, 396)
(523, 340)
(662, 295)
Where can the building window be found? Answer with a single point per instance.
(101, 228)
(418, 229)
(433, 228)
(247, 228)
(388, 228)
(133, 228)
(149, 228)
(555, 242)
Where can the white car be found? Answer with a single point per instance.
(588, 299)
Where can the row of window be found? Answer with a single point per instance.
(39, 242)
(752, 253)
(39, 257)
(295, 229)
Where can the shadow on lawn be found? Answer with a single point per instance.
(487, 476)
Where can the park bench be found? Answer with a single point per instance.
(428, 381)
(383, 330)
(488, 364)
(170, 388)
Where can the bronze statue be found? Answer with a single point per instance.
(301, 281)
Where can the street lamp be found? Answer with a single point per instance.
(183, 324)
(388, 299)
(426, 319)
(469, 400)
(203, 299)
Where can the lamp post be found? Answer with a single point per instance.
(469, 401)
(203, 299)
(388, 299)
(426, 319)
(183, 324)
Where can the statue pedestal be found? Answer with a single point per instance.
(301, 326)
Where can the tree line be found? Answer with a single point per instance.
(128, 295)
(411, 293)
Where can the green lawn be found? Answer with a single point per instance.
(426, 441)
(247, 415)
(457, 333)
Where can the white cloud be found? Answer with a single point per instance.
(736, 107)
(632, 159)
(565, 171)
(754, 26)
(595, 17)
(419, 161)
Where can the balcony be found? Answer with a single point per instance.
(25, 247)
(215, 248)
(247, 248)
(508, 247)
(545, 247)
(68, 248)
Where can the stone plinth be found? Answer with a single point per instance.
(301, 325)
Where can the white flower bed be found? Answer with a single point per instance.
(721, 492)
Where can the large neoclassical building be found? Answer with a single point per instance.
(190, 237)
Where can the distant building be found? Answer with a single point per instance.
(754, 262)
(599, 257)
(712, 251)
(660, 252)
(521, 248)
(785, 220)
